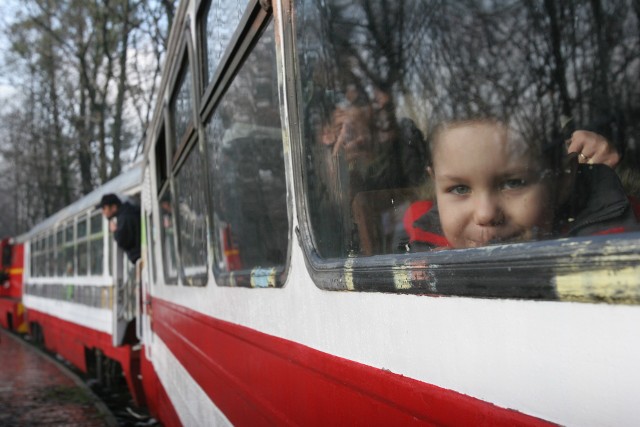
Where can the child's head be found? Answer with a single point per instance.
(491, 186)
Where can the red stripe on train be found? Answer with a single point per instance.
(259, 379)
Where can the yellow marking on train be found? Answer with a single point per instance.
(22, 327)
(612, 286)
(348, 274)
(15, 270)
(109, 297)
(401, 277)
(231, 252)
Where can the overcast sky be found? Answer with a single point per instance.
(8, 10)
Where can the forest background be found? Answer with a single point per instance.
(78, 81)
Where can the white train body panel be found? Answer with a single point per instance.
(463, 338)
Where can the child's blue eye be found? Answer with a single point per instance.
(511, 184)
(459, 190)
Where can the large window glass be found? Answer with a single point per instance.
(69, 251)
(37, 250)
(82, 246)
(446, 125)
(60, 270)
(96, 245)
(181, 105)
(191, 214)
(167, 235)
(51, 255)
(245, 150)
(221, 19)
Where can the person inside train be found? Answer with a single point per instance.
(124, 223)
(492, 186)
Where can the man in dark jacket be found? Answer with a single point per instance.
(124, 222)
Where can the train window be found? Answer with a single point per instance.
(42, 256)
(69, 251)
(35, 252)
(245, 151)
(96, 223)
(167, 235)
(221, 19)
(83, 258)
(421, 137)
(161, 160)
(191, 213)
(51, 255)
(96, 245)
(97, 253)
(181, 107)
(6, 255)
(82, 227)
(82, 246)
(60, 271)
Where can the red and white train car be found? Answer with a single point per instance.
(79, 290)
(283, 165)
(11, 308)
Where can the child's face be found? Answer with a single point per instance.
(488, 187)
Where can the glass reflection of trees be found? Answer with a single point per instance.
(191, 216)
(167, 236)
(181, 105)
(248, 190)
(221, 20)
(548, 66)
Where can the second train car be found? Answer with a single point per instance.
(80, 292)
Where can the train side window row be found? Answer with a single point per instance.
(75, 248)
(238, 171)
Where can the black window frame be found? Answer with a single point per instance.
(594, 269)
(254, 22)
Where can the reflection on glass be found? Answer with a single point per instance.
(60, 271)
(167, 236)
(69, 266)
(34, 258)
(191, 214)
(50, 256)
(96, 249)
(96, 245)
(245, 150)
(83, 258)
(96, 223)
(398, 86)
(69, 251)
(181, 105)
(222, 18)
(82, 228)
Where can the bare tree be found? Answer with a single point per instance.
(93, 70)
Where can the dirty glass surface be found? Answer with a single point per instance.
(221, 20)
(245, 153)
(181, 106)
(96, 248)
(191, 214)
(69, 251)
(167, 236)
(391, 88)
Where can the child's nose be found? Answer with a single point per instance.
(487, 210)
